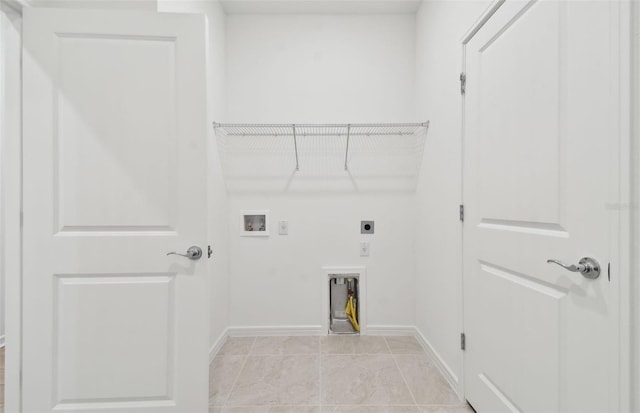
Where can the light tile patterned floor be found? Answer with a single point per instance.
(334, 374)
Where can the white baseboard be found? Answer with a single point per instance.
(265, 331)
(444, 368)
(313, 330)
(215, 348)
(390, 330)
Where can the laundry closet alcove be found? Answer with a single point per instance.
(294, 164)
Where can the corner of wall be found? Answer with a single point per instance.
(447, 372)
(218, 342)
(439, 295)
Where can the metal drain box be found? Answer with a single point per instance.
(340, 288)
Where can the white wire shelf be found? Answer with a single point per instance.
(229, 131)
(356, 129)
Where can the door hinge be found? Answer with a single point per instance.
(209, 251)
(463, 83)
(461, 211)
(463, 341)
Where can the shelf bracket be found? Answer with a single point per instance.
(346, 153)
(295, 145)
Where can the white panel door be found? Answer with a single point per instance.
(114, 178)
(540, 183)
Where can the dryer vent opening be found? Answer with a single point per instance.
(344, 304)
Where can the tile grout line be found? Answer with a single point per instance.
(235, 382)
(393, 356)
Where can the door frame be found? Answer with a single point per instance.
(634, 248)
(11, 244)
(626, 224)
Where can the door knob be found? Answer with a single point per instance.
(588, 267)
(193, 253)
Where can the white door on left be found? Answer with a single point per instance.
(114, 179)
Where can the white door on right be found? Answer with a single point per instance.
(541, 183)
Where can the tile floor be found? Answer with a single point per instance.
(334, 374)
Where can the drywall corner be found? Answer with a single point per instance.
(439, 28)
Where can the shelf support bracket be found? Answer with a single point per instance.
(346, 153)
(295, 145)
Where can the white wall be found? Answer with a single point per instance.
(218, 203)
(320, 68)
(277, 280)
(440, 26)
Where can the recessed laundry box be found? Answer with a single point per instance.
(344, 300)
(343, 304)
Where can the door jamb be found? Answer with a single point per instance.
(11, 207)
(632, 317)
(475, 27)
(624, 213)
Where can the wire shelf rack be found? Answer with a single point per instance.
(335, 136)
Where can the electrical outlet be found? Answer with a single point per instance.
(364, 249)
(366, 227)
(283, 227)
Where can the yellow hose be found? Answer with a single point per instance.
(351, 313)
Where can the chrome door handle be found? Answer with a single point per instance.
(193, 253)
(588, 267)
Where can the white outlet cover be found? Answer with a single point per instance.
(364, 249)
(283, 227)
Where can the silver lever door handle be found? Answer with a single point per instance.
(588, 267)
(193, 253)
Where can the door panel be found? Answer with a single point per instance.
(538, 177)
(523, 151)
(95, 136)
(86, 319)
(114, 178)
